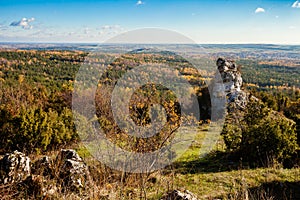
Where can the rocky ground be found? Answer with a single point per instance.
(46, 178)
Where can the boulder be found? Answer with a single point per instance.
(14, 167)
(73, 171)
(45, 177)
(178, 195)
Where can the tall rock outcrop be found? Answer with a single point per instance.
(232, 81)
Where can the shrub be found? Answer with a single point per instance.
(264, 136)
(36, 130)
(232, 135)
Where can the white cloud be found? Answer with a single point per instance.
(292, 27)
(296, 4)
(110, 30)
(106, 27)
(139, 2)
(260, 10)
(24, 23)
(86, 31)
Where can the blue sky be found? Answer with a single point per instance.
(204, 21)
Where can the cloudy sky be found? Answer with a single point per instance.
(204, 21)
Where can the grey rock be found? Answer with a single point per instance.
(14, 167)
(73, 171)
(70, 154)
(178, 195)
(46, 177)
(232, 80)
(237, 100)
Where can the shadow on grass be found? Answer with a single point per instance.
(220, 161)
(275, 190)
(213, 162)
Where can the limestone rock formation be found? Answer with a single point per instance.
(74, 172)
(178, 195)
(232, 81)
(14, 167)
(45, 177)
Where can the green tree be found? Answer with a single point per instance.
(263, 137)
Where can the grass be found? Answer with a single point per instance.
(211, 177)
(215, 176)
(220, 184)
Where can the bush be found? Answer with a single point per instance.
(232, 135)
(263, 137)
(36, 130)
(293, 112)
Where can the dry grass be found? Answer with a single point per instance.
(208, 178)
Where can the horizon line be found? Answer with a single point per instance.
(102, 43)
